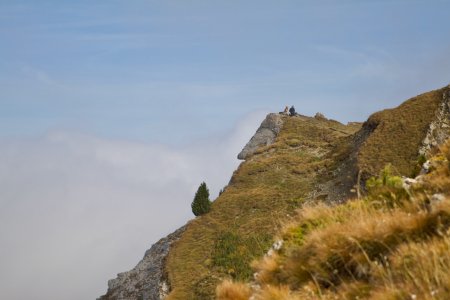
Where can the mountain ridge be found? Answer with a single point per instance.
(290, 162)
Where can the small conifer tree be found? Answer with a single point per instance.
(201, 203)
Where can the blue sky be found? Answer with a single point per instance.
(112, 112)
(168, 71)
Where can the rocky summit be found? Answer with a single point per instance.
(290, 164)
(264, 136)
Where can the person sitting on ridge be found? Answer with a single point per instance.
(292, 111)
(286, 110)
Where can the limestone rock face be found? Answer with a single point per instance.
(265, 135)
(439, 129)
(146, 281)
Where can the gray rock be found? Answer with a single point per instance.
(320, 116)
(439, 129)
(146, 281)
(425, 168)
(265, 135)
(408, 182)
(438, 197)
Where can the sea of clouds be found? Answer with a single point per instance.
(76, 209)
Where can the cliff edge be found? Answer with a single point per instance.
(264, 136)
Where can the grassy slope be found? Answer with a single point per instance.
(240, 226)
(398, 135)
(393, 244)
(279, 178)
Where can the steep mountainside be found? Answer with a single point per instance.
(392, 244)
(289, 163)
(265, 190)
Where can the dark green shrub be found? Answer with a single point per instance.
(201, 203)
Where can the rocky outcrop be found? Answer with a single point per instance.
(146, 281)
(265, 135)
(320, 116)
(439, 129)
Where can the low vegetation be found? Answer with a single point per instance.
(392, 244)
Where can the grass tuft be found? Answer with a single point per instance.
(228, 290)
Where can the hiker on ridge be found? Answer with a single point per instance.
(286, 110)
(292, 111)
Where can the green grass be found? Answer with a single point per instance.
(233, 253)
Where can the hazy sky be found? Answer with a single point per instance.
(112, 112)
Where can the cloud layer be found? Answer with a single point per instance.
(77, 209)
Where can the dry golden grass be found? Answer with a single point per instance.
(368, 249)
(228, 290)
(398, 134)
(419, 268)
(342, 251)
(269, 292)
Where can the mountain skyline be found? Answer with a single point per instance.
(113, 112)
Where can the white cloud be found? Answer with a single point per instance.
(77, 209)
